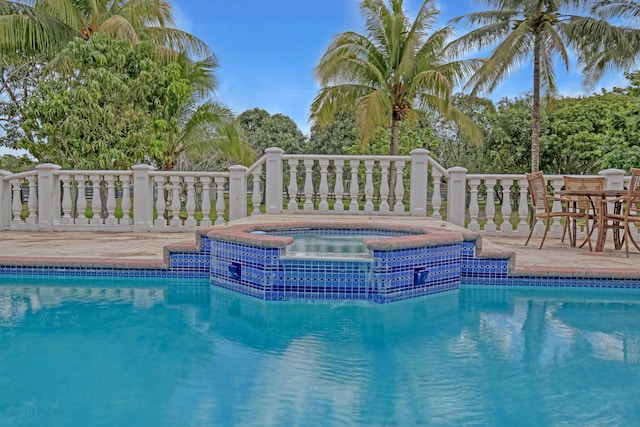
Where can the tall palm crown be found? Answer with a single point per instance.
(396, 67)
(541, 32)
(48, 25)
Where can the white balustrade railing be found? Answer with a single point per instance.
(145, 199)
(141, 199)
(187, 200)
(94, 199)
(321, 187)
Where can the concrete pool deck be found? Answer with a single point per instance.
(146, 249)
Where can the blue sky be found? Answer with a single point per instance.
(267, 49)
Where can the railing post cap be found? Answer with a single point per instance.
(142, 166)
(236, 168)
(612, 172)
(457, 169)
(274, 150)
(48, 166)
(419, 151)
(4, 172)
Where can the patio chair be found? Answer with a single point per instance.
(626, 210)
(583, 208)
(541, 204)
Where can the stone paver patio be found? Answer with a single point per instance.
(147, 248)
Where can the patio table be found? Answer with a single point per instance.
(595, 197)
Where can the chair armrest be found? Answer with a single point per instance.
(616, 201)
(561, 199)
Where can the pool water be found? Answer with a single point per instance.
(75, 352)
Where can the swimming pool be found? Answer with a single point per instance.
(115, 351)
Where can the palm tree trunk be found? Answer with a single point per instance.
(535, 132)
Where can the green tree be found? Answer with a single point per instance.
(541, 32)
(114, 113)
(340, 133)
(46, 26)
(208, 137)
(264, 130)
(450, 146)
(383, 75)
(577, 130)
(13, 163)
(507, 147)
(19, 76)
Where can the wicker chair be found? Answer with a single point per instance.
(626, 211)
(582, 208)
(541, 203)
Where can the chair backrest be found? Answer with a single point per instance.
(538, 190)
(583, 183)
(633, 195)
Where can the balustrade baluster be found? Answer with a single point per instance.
(474, 209)
(399, 188)
(81, 202)
(66, 200)
(506, 226)
(111, 200)
(96, 203)
(176, 204)
(256, 194)
(490, 207)
(436, 199)
(161, 203)
(338, 188)
(32, 201)
(220, 204)
(190, 205)
(205, 181)
(323, 206)
(354, 189)
(523, 206)
(16, 204)
(368, 186)
(308, 185)
(125, 203)
(384, 186)
(293, 185)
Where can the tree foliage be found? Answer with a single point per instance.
(334, 138)
(264, 130)
(46, 26)
(543, 32)
(383, 75)
(114, 110)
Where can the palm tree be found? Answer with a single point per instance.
(540, 32)
(207, 128)
(393, 69)
(48, 25)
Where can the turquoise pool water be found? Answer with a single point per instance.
(75, 352)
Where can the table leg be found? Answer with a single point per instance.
(602, 235)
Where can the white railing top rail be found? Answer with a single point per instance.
(194, 174)
(520, 176)
(92, 172)
(438, 167)
(343, 157)
(19, 175)
(257, 164)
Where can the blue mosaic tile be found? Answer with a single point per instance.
(386, 276)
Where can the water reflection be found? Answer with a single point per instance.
(213, 357)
